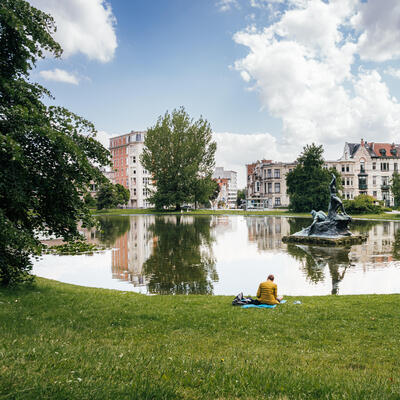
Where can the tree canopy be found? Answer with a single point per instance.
(308, 182)
(48, 155)
(179, 153)
(111, 196)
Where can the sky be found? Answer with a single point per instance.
(269, 75)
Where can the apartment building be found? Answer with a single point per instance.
(367, 168)
(227, 181)
(128, 171)
(266, 184)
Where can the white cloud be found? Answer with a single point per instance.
(59, 75)
(393, 72)
(83, 26)
(379, 24)
(235, 150)
(304, 74)
(104, 138)
(226, 5)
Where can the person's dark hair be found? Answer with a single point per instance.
(270, 277)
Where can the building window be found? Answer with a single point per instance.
(134, 171)
(138, 137)
(134, 160)
(343, 182)
(134, 191)
(269, 173)
(347, 168)
(374, 165)
(277, 201)
(269, 187)
(374, 193)
(395, 167)
(374, 180)
(384, 166)
(277, 187)
(145, 172)
(257, 186)
(362, 166)
(277, 173)
(342, 168)
(348, 182)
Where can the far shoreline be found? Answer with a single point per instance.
(276, 213)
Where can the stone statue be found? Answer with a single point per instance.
(331, 225)
(335, 203)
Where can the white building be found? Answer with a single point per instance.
(128, 171)
(367, 168)
(228, 183)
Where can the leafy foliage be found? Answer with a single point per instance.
(363, 204)
(308, 182)
(395, 188)
(179, 153)
(47, 154)
(241, 197)
(110, 196)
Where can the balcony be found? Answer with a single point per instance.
(362, 186)
(385, 187)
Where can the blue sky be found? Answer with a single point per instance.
(269, 75)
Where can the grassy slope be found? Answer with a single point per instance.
(60, 341)
(119, 211)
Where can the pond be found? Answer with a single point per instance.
(225, 255)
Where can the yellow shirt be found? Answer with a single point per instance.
(267, 293)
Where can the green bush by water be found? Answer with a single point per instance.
(61, 341)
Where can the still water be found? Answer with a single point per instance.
(225, 255)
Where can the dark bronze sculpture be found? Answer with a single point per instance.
(333, 224)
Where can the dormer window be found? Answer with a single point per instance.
(382, 152)
(393, 152)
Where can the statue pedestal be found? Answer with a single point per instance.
(325, 240)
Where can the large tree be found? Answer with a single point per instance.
(48, 155)
(179, 153)
(308, 182)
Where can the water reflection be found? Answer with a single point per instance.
(229, 254)
(314, 260)
(182, 261)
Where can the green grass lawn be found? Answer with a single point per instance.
(60, 341)
(130, 211)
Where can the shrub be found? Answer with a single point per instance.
(363, 204)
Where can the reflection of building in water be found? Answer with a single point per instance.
(267, 231)
(223, 223)
(379, 246)
(131, 250)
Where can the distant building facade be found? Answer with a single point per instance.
(128, 171)
(367, 168)
(266, 184)
(227, 181)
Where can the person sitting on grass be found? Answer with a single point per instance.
(267, 292)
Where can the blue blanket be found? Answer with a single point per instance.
(262, 305)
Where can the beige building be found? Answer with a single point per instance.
(128, 171)
(367, 168)
(266, 184)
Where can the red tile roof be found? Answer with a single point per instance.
(376, 147)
